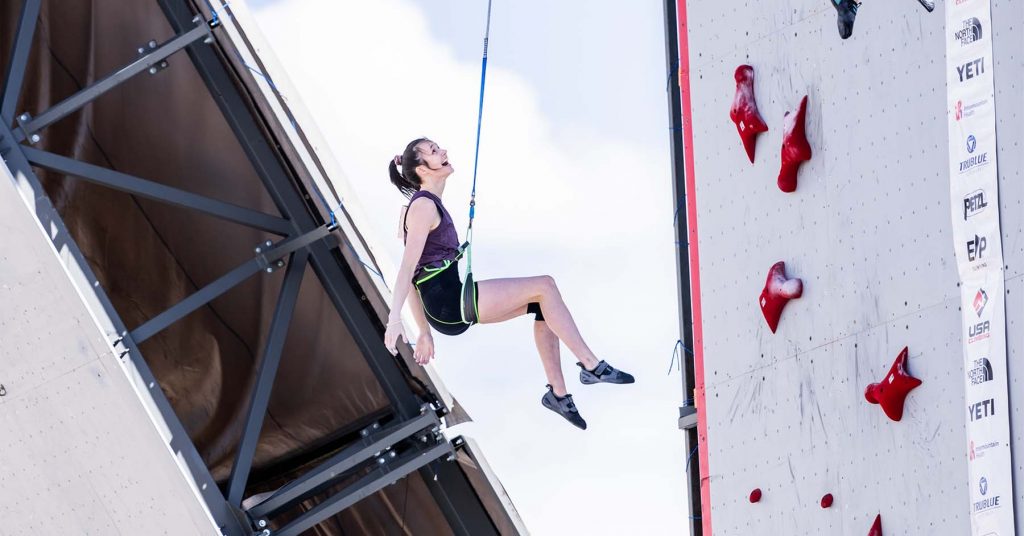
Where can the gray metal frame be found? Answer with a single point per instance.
(688, 412)
(307, 241)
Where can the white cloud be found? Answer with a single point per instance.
(594, 212)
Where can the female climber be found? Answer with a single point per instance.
(430, 264)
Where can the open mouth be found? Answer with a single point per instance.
(444, 164)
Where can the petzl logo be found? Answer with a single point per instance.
(974, 203)
(969, 32)
(974, 160)
(971, 69)
(976, 248)
(980, 301)
(981, 410)
(977, 332)
(980, 373)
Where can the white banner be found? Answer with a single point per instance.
(973, 182)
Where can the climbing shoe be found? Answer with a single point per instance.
(563, 406)
(603, 373)
(847, 11)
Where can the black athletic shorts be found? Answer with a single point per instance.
(441, 295)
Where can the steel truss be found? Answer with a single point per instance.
(382, 455)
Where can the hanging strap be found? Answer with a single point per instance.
(476, 157)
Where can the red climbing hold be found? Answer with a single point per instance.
(777, 291)
(744, 110)
(876, 528)
(795, 148)
(755, 495)
(826, 501)
(893, 390)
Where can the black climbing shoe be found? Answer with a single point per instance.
(603, 373)
(930, 6)
(565, 407)
(847, 10)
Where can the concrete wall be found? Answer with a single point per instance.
(869, 232)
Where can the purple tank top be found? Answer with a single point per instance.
(442, 242)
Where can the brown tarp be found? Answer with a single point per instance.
(149, 256)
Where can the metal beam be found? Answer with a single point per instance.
(380, 477)
(201, 30)
(226, 282)
(98, 301)
(19, 59)
(158, 192)
(348, 458)
(281, 187)
(457, 499)
(279, 325)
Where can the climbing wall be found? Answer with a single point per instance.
(81, 452)
(868, 230)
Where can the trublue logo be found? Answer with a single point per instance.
(984, 486)
(972, 143)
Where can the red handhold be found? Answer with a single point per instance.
(826, 501)
(755, 495)
(876, 528)
(891, 392)
(777, 291)
(744, 110)
(795, 148)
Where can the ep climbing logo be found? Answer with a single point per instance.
(974, 203)
(974, 160)
(976, 248)
(969, 32)
(980, 371)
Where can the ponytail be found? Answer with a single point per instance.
(406, 180)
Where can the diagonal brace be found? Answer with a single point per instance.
(94, 91)
(265, 377)
(369, 484)
(226, 282)
(159, 192)
(348, 458)
(19, 59)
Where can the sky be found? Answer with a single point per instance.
(574, 182)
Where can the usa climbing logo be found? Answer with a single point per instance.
(978, 332)
(980, 301)
(969, 32)
(980, 372)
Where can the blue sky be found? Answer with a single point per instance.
(575, 182)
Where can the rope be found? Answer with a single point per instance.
(476, 156)
(676, 354)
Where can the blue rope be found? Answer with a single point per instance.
(476, 156)
(677, 355)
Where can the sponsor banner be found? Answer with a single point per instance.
(974, 196)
